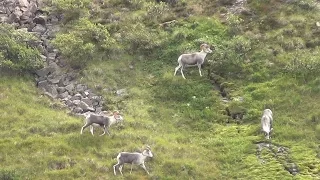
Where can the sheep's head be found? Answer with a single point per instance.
(206, 48)
(147, 152)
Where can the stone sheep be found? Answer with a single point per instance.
(266, 122)
(194, 59)
(132, 158)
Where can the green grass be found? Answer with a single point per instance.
(183, 121)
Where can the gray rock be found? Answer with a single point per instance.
(86, 93)
(52, 56)
(43, 57)
(42, 49)
(76, 102)
(17, 12)
(49, 95)
(70, 88)
(43, 84)
(39, 28)
(23, 9)
(44, 71)
(33, 7)
(86, 107)
(12, 18)
(77, 110)
(80, 88)
(68, 103)
(61, 90)
(54, 79)
(3, 18)
(63, 95)
(76, 97)
(52, 90)
(41, 19)
(23, 3)
(87, 101)
(98, 110)
(3, 9)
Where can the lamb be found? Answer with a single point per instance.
(103, 121)
(132, 158)
(194, 59)
(266, 122)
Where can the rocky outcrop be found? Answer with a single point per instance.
(57, 81)
(280, 153)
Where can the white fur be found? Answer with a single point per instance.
(266, 122)
(193, 59)
(112, 119)
(132, 158)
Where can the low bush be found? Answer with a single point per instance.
(15, 53)
(83, 41)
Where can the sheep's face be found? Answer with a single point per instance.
(205, 48)
(147, 152)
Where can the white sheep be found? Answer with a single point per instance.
(266, 122)
(101, 120)
(193, 59)
(132, 158)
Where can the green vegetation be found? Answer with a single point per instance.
(16, 53)
(266, 59)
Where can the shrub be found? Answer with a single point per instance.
(72, 9)
(83, 41)
(141, 38)
(8, 175)
(15, 53)
(302, 64)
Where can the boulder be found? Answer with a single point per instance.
(77, 110)
(76, 97)
(23, 3)
(87, 101)
(70, 88)
(39, 28)
(54, 79)
(3, 9)
(44, 71)
(76, 102)
(85, 107)
(3, 18)
(43, 84)
(63, 95)
(61, 90)
(52, 89)
(40, 20)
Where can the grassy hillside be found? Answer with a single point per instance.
(261, 61)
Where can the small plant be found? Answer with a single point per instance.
(15, 53)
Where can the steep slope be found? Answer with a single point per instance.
(260, 61)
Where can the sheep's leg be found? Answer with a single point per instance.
(176, 69)
(120, 169)
(182, 72)
(199, 67)
(91, 130)
(114, 168)
(104, 130)
(83, 127)
(108, 132)
(131, 168)
(144, 167)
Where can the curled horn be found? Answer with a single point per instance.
(115, 112)
(202, 46)
(148, 147)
